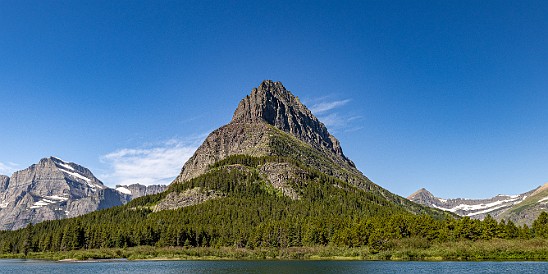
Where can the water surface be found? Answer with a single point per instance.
(14, 266)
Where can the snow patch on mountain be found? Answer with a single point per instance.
(48, 200)
(491, 209)
(483, 206)
(123, 190)
(62, 164)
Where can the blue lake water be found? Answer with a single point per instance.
(149, 267)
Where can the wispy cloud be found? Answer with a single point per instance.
(152, 164)
(8, 169)
(322, 107)
(328, 112)
(333, 120)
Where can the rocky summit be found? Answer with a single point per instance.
(273, 104)
(54, 189)
(269, 108)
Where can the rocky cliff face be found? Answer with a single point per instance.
(52, 189)
(268, 108)
(521, 208)
(138, 190)
(4, 182)
(273, 104)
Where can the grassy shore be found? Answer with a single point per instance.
(404, 250)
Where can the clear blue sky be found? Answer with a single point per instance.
(447, 95)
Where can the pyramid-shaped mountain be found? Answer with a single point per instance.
(256, 126)
(272, 122)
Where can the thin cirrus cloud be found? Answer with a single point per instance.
(7, 169)
(327, 112)
(158, 164)
(322, 107)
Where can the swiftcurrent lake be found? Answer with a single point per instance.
(14, 266)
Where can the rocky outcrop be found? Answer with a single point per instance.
(53, 189)
(4, 182)
(280, 175)
(190, 197)
(231, 139)
(521, 208)
(138, 190)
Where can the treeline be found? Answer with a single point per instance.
(253, 214)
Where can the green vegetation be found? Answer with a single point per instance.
(331, 219)
(401, 250)
(529, 202)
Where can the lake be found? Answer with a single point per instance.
(14, 266)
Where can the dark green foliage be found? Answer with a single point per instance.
(252, 214)
(540, 225)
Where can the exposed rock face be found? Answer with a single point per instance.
(189, 197)
(273, 104)
(138, 190)
(279, 175)
(268, 107)
(232, 139)
(424, 197)
(521, 209)
(53, 189)
(4, 182)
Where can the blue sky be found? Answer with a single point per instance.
(447, 95)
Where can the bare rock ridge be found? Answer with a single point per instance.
(268, 108)
(273, 104)
(138, 190)
(521, 208)
(54, 189)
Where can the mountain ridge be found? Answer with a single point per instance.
(521, 208)
(53, 189)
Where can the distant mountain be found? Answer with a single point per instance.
(54, 189)
(521, 208)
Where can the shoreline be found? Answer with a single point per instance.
(503, 250)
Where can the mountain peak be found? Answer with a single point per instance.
(272, 103)
(266, 103)
(421, 194)
(259, 122)
(52, 189)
